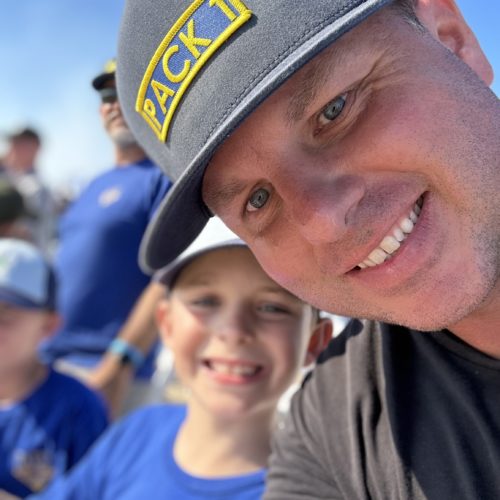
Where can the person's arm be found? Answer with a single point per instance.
(114, 373)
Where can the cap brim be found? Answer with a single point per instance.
(169, 274)
(100, 81)
(178, 220)
(183, 214)
(14, 299)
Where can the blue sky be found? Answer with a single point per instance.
(51, 49)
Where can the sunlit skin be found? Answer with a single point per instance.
(225, 310)
(417, 122)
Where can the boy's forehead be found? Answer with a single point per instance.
(226, 263)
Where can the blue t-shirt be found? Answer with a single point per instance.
(134, 460)
(99, 279)
(47, 433)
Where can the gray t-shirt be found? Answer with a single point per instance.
(390, 413)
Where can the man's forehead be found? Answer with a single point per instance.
(298, 91)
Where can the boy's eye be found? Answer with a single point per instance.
(205, 302)
(273, 308)
(332, 110)
(257, 199)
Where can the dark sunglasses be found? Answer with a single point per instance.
(109, 95)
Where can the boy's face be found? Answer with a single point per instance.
(21, 331)
(327, 178)
(238, 338)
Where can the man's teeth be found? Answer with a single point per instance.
(233, 369)
(391, 243)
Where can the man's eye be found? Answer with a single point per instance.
(332, 110)
(257, 200)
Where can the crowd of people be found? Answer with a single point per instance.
(352, 151)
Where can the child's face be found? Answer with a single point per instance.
(238, 338)
(21, 331)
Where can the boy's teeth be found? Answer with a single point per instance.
(232, 369)
(391, 243)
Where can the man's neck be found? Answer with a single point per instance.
(128, 155)
(481, 329)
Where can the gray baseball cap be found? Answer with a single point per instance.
(190, 72)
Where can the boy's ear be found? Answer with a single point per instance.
(322, 334)
(444, 21)
(162, 317)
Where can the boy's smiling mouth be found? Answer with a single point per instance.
(232, 370)
(393, 240)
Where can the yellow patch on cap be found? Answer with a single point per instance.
(110, 66)
(203, 27)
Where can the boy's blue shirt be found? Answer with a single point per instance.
(47, 433)
(134, 460)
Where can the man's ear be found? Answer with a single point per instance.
(444, 21)
(322, 334)
(162, 317)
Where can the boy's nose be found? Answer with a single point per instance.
(234, 328)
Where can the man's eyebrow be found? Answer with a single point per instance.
(312, 78)
(223, 195)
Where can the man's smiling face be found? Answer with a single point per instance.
(368, 183)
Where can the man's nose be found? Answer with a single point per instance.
(321, 207)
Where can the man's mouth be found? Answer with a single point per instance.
(391, 243)
(233, 368)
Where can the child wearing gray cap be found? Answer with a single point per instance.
(239, 341)
(47, 420)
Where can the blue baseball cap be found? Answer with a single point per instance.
(190, 71)
(26, 278)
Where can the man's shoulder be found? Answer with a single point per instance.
(353, 359)
(359, 337)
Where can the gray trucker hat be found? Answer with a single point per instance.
(189, 72)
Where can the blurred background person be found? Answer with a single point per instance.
(19, 166)
(11, 211)
(105, 300)
(47, 420)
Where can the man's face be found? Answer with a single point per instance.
(113, 121)
(368, 183)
